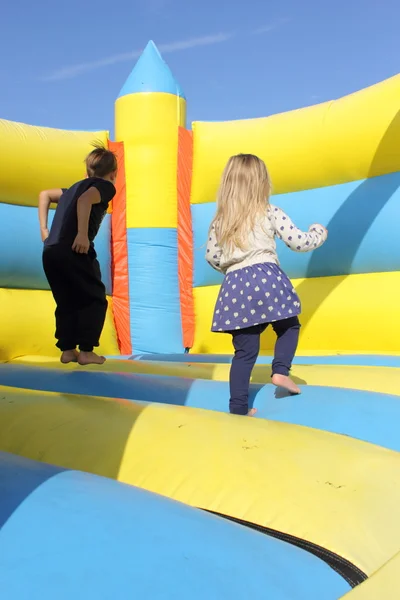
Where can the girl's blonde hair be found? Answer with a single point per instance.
(242, 198)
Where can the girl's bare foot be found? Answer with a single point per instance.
(69, 356)
(90, 358)
(252, 412)
(285, 382)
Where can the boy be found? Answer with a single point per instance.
(69, 257)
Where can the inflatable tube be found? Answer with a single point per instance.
(283, 477)
(372, 379)
(349, 139)
(361, 212)
(369, 416)
(385, 583)
(24, 335)
(366, 360)
(21, 266)
(79, 536)
(48, 158)
(336, 316)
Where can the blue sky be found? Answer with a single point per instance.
(63, 63)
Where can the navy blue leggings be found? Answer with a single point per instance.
(247, 346)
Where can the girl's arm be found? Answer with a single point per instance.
(45, 199)
(213, 251)
(294, 238)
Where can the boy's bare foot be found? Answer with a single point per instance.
(69, 356)
(90, 358)
(252, 412)
(285, 382)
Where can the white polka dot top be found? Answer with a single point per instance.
(261, 247)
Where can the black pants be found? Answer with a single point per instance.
(80, 295)
(247, 346)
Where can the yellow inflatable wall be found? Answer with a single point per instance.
(337, 162)
(32, 159)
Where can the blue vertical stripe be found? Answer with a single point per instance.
(155, 316)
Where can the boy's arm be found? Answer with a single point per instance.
(294, 238)
(45, 199)
(84, 206)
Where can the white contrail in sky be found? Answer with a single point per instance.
(72, 71)
(75, 70)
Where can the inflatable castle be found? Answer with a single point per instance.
(130, 478)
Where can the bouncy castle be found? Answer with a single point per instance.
(130, 478)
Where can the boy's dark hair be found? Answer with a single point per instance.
(101, 162)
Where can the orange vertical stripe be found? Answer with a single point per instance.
(185, 236)
(119, 255)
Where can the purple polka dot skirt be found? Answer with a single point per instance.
(261, 293)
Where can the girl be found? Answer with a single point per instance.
(255, 292)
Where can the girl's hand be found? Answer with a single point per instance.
(44, 234)
(319, 227)
(81, 244)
